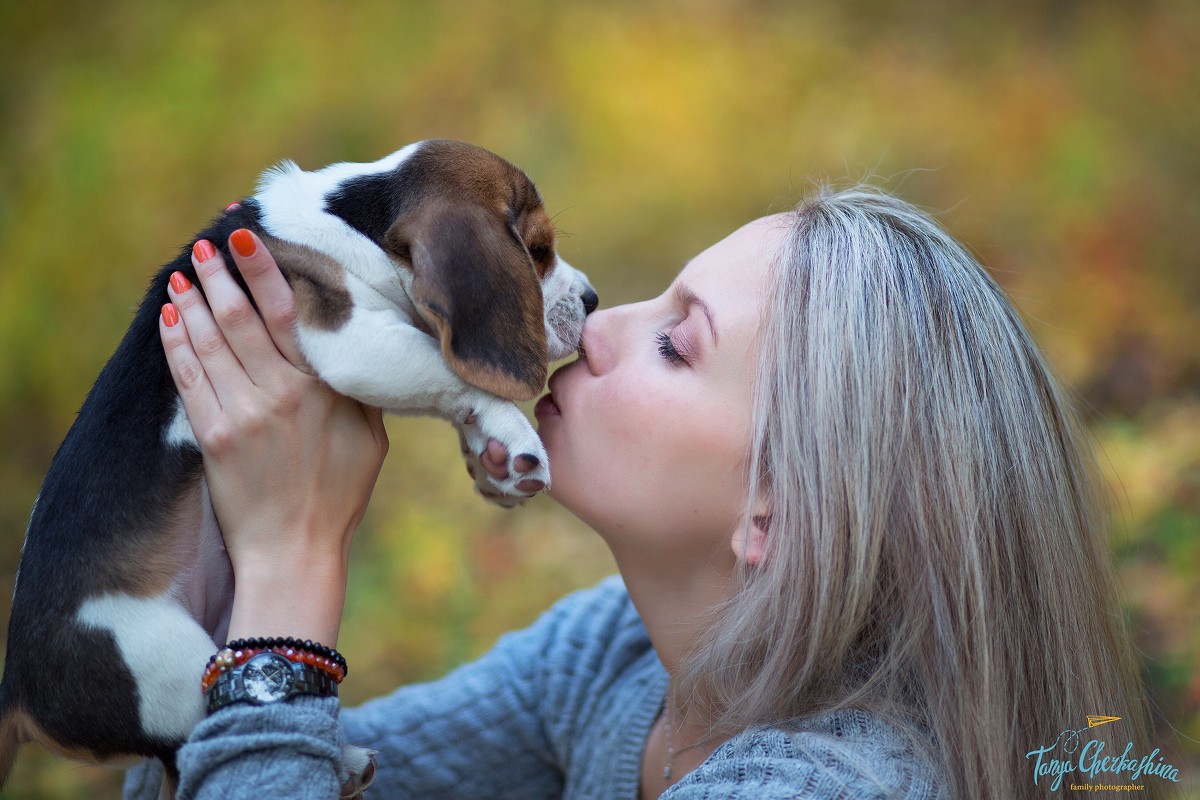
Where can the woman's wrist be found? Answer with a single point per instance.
(289, 595)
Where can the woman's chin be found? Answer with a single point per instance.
(566, 492)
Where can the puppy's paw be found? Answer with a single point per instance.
(356, 771)
(504, 455)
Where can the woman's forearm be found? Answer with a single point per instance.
(297, 598)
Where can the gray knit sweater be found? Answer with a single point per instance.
(559, 710)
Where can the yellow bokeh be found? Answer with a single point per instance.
(1057, 140)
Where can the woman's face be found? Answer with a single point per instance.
(648, 431)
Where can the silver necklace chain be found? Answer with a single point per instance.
(670, 748)
(669, 714)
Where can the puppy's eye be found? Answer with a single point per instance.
(540, 252)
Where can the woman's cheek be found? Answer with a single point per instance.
(709, 455)
(606, 445)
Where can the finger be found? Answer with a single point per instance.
(225, 373)
(375, 421)
(199, 399)
(275, 299)
(240, 324)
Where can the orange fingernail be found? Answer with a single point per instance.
(243, 241)
(203, 250)
(179, 281)
(170, 314)
(234, 206)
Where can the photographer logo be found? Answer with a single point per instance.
(1102, 770)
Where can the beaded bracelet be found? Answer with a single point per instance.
(239, 651)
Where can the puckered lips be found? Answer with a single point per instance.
(546, 405)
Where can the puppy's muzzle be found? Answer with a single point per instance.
(565, 314)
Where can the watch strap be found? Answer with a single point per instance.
(307, 679)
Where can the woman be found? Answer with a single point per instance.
(860, 534)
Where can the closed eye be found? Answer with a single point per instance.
(667, 350)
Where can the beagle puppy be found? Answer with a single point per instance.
(426, 283)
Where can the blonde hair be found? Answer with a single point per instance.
(936, 551)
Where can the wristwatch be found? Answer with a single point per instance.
(268, 678)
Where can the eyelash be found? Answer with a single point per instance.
(666, 349)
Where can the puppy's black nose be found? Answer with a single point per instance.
(590, 301)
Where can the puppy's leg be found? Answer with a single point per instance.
(473, 439)
(377, 357)
(356, 771)
(168, 687)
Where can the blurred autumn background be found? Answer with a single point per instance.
(1058, 139)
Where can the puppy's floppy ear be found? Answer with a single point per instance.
(475, 285)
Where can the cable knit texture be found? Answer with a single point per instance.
(558, 710)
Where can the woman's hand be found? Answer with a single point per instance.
(290, 464)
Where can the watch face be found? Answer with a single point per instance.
(268, 678)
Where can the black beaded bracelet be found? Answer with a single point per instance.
(316, 648)
(238, 651)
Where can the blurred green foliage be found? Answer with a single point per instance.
(1057, 139)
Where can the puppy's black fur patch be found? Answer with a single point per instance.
(88, 488)
(122, 516)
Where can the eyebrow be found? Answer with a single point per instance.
(687, 297)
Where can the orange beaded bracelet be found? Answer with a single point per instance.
(240, 651)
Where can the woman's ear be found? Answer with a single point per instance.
(750, 540)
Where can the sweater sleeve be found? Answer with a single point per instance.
(283, 750)
(499, 727)
(840, 756)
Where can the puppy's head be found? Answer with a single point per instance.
(475, 251)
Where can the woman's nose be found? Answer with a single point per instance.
(595, 342)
